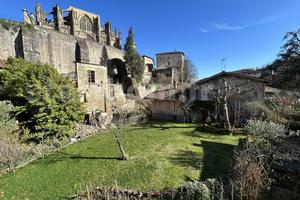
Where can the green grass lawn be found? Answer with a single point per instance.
(161, 155)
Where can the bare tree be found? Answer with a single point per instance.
(221, 94)
(119, 121)
(185, 105)
(190, 71)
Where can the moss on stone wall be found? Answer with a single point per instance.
(10, 24)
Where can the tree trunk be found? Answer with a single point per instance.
(226, 115)
(124, 156)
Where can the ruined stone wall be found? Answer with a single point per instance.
(163, 76)
(116, 95)
(95, 52)
(115, 53)
(10, 42)
(77, 16)
(49, 46)
(42, 45)
(149, 64)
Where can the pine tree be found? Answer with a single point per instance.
(133, 60)
(290, 60)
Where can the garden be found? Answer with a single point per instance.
(161, 155)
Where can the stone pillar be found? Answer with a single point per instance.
(107, 29)
(26, 16)
(97, 29)
(57, 17)
(72, 22)
(120, 39)
(39, 14)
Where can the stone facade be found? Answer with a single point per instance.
(94, 93)
(76, 22)
(163, 76)
(149, 65)
(170, 67)
(73, 43)
(11, 42)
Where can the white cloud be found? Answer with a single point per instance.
(204, 30)
(268, 20)
(226, 27)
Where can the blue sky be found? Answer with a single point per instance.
(248, 33)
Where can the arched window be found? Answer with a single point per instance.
(86, 24)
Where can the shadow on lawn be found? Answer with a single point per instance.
(162, 125)
(62, 156)
(94, 158)
(213, 163)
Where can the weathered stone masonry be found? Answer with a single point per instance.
(72, 42)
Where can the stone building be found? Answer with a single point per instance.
(73, 42)
(76, 22)
(149, 65)
(169, 67)
(165, 104)
(204, 97)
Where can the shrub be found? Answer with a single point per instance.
(11, 152)
(7, 121)
(46, 102)
(260, 110)
(266, 129)
(251, 170)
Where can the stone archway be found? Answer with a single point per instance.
(117, 74)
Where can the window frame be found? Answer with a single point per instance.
(91, 76)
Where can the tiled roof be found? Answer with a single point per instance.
(230, 74)
(167, 94)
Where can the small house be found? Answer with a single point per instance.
(165, 104)
(234, 87)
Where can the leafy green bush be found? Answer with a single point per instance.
(46, 102)
(7, 121)
(266, 129)
(260, 110)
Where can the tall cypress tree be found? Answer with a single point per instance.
(132, 58)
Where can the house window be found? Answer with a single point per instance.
(91, 76)
(237, 106)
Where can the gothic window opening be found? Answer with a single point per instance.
(86, 24)
(91, 76)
